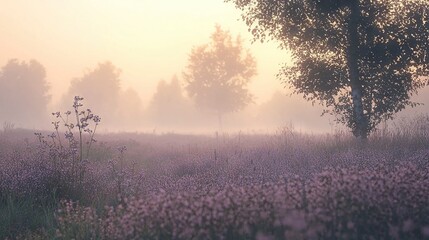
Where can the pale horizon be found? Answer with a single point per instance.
(148, 40)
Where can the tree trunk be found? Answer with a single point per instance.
(360, 128)
(219, 118)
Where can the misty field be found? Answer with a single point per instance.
(286, 185)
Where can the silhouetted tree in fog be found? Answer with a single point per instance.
(218, 73)
(168, 105)
(362, 58)
(100, 89)
(130, 108)
(23, 93)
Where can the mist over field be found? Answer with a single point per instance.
(214, 119)
(27, 103)
(137, 65)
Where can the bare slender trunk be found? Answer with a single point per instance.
(361, 122)
(219, 116)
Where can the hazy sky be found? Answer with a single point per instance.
(148, 39)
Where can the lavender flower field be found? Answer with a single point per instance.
(214, 120)
(286, 185)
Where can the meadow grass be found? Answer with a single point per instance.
(287, 185)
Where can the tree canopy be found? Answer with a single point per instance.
(363, 59)
(168, 105)
(100, 88)
(218, 73)
(23, 93)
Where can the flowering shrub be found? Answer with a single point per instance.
(52, 168)
(81, 222)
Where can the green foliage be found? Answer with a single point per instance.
(390, 55)
(22, 217)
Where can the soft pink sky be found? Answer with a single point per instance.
(148, 39)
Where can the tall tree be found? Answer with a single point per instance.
(218, 74)
(362, 59)
(130, 109)
(23, 93)
(168, 105)
(100, 88)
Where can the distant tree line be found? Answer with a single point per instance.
(25, 102)
(215, 81)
